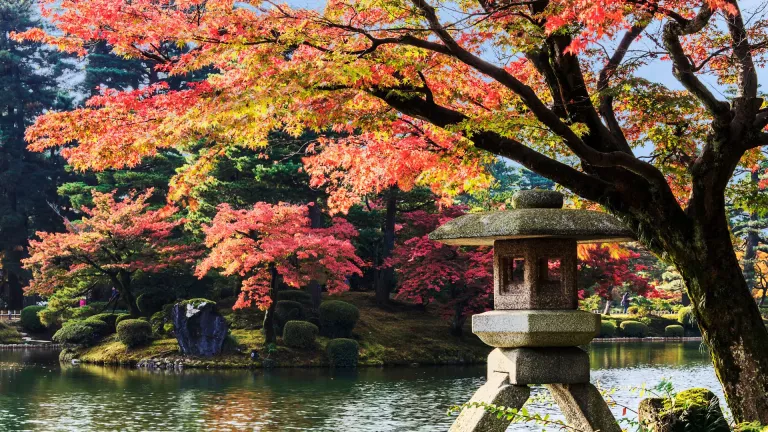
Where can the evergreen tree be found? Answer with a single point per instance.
(28, 181)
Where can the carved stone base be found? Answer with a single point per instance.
(509, 372)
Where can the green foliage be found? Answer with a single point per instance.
(30, 319)
(287, 310)
(343, 353)
(8, 334)
(150, 303)
(295, 295)
(100, 327)
(686, 318)
(121, 317)
(338, 318)
(161, 324)
(674, 331)
(633, 310)
(134, 332)
(591, 303)
(645, 320)
(109, 318)
(607, 329)
(634, 329)
(750, 427)
(77, 333)
(196, 303)
(300, 334)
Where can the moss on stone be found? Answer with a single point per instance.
(482, 229)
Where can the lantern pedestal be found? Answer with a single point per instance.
(535, 328)
(563, 370)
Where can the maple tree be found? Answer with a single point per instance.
(606, 268)
(427, 91)
(269, 245)
(459, 279)
(113, 242)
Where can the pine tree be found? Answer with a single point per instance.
(28, 181)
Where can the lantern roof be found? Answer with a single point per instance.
(536, 214)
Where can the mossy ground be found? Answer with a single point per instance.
(398, 335)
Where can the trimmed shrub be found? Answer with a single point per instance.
(161, 324)
(342, 353)
(607, 329)
(338, 318)
(109, 318)
(121, 317)
(30, 319)
(8, 334)
(134, 332)
(634, 329)
(296, 295)
(287, 310)
(674, 331)
(77, 333)
(300, 334)
(100, 327)
(686, 318)
(633, 310)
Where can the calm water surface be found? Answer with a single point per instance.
(37, 394)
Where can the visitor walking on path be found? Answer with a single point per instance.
(625, 301)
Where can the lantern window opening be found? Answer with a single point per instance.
(514, 272)
(550, 270)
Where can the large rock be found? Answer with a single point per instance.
(200, 329)
(696, 409)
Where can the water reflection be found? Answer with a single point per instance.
(37, 394)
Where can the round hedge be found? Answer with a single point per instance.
(295, 295)
(686, 318)
(77, 333)
(121, 317)
(607, 329)
(633, 310)
(338, 318)
(674, 331)
(342, 353)
(300, 334)
(109, 318)
(634, 329)
(287, 310)
(30, 319)
(134, 332)
(100, 327)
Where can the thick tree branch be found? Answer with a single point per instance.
(581, 183)
(683, 69)
(747, 78)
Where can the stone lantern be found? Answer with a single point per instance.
(535, 326)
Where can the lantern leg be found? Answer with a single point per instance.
(497, 391)
(584, 407)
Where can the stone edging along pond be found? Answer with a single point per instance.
(47, 346)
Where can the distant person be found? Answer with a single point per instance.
(625, 301)
(82, 302)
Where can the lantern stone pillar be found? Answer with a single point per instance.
(535, 326)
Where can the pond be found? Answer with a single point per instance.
(38, 394)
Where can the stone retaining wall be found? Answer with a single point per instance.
(31, 346)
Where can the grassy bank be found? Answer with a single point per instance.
(400, 335)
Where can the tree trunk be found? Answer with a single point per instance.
(607, 309)
(270, 336)
(123, 284)
(15, 292)
(726, 313)
(385, 276)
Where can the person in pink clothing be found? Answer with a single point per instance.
(82, 302)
